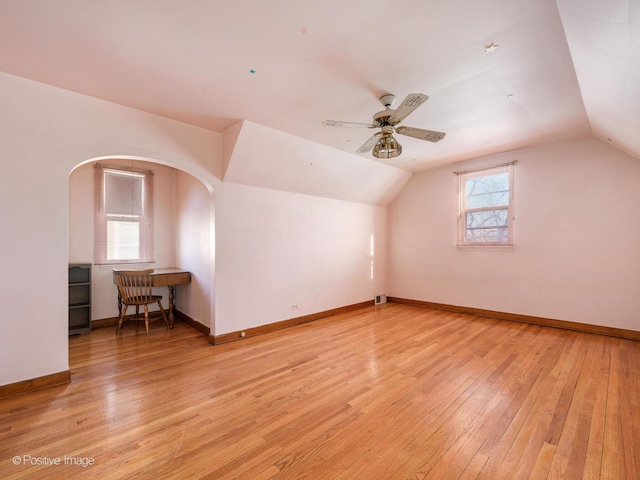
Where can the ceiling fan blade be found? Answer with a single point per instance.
(408, 105)
(334, 123)
(429, 135)
(368, 145)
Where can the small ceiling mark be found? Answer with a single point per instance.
(304, 30)
(252, 71)
(510, 96)
(490, 48)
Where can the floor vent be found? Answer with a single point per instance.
(380, 299)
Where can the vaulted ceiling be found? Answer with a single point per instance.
(500, 74)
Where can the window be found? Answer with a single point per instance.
(486, 206)
(123, 221)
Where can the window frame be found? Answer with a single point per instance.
(102, 217)
(462, 240)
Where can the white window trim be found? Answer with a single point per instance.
(462, 210)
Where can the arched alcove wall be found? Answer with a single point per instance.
(183, 226)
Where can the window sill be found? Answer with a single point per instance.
(486, 248)
(111, 266)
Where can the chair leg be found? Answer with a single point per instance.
(146, 317)
(121, 319)
(137, 318)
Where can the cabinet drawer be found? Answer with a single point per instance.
(79, 274)
(79, 317)
(79, 295)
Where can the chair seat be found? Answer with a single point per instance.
(142, 300)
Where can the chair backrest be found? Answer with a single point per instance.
(134, 285)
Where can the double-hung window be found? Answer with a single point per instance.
(123, 221)
(485, 214)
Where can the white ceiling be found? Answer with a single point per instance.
(562, 69)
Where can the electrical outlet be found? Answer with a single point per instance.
(294, 306)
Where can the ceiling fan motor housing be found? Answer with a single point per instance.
(382, 118)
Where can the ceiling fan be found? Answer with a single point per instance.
(382, 142)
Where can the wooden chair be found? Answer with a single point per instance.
(134, 287)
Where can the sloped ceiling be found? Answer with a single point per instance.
(267, 158)
(561, 69)
(604, 40)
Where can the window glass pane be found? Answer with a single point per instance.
(488, 218)
(488, 190)
(488, 235)
(487, 226)
(123, 240)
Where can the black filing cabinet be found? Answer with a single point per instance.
(79, 298)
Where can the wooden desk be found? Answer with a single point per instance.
(164, 277)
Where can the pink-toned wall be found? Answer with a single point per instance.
(276, 249)
(577, 238)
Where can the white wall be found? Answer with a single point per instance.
(277, 249)
(195, 249)
(577, 238)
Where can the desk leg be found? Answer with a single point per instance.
(172, 303)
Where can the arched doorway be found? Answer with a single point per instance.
(184, 226)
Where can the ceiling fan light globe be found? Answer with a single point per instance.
(387, 147)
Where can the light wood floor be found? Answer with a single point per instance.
(382, 393)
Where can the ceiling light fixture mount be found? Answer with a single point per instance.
(387, 100)
(491, 48)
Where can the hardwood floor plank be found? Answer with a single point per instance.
(540, 469)
(629, 407)
(386, 392)
(533, 436)
(621, 450)
(597, 393)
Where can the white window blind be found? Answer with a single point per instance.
(485, 214)
(123, 219)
